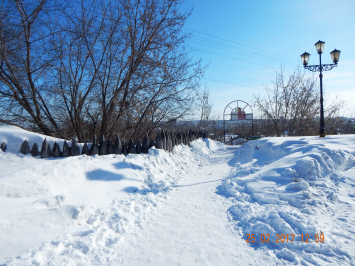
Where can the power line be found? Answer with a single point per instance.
(232, 83)
(268, 59)
(207, 41)
(256, 55)
(231, 57)
(239, 43)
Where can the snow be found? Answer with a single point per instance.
(192, 227)
(297, 186)
(195, 205)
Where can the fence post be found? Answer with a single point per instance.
(159, 142)
(138, 147)
(131, 147)
(124, 147)
(167, 141)
(190, 135)
(94, 149)
(55, 150)
(24, 148)
(170, 142)
(117, 148)
(85, 149)
(103, 145)
(163, 139)
(46, 149)
(34, 150)
(173, 140)
(65, 152)
(178, 138)
(74, 149)
(146, 144)
(109, 148)
(152, 144)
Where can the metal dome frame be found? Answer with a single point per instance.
(224, 116)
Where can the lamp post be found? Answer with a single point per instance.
(320, 68)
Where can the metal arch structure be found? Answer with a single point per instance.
(318, 68)
(237, 105)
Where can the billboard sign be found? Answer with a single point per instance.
(239, 114)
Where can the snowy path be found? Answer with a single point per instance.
(192, 228)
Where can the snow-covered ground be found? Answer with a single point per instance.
(296, 186)
(195, 205)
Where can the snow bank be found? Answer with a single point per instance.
(15, 136)
(296, 186)
(73, 211)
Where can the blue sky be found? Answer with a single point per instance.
(245, 42)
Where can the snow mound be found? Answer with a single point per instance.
(296, 186)
(15, 136)
(74, 210)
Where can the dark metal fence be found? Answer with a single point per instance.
(164, 140)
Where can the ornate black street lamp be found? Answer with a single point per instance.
(320, 68)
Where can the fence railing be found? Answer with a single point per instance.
(164, 140)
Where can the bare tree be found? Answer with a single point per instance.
(206, 108)
(24, 62)
(292, 104)
(95, 67)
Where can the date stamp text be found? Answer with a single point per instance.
(284, 238)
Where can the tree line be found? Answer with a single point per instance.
(100, 67)
(80, 68)
(289, 107)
